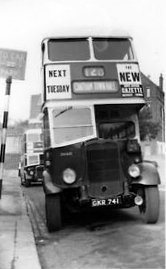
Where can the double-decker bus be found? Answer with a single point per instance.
(92, 94)
(31, 164)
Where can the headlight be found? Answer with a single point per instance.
(134, 170)
(69, 176)
(31, 173)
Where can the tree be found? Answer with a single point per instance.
(148, 128)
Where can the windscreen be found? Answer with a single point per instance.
(34, 137)
(33, 159)
(112, 49)
(68, 49)
(72, 124)
(117, 130)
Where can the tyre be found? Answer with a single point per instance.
(27, 182)
(53, 212)
(150, 207)
(22, 180)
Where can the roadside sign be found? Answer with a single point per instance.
(12, 66)
(12, 63)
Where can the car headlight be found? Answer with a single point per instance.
(134, 170)
(69, 176)
(31, 173)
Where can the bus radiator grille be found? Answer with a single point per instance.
(104, 169)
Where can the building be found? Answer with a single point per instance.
(154, 95)
(35, 111)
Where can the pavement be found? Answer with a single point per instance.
(17, 243)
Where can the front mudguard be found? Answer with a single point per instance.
(48, 186)
(149, 174)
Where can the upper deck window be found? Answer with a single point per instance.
(68, 49)
(113, 49)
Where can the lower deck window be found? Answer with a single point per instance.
(117, 130)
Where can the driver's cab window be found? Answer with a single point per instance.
(116, 123)
(116, 130)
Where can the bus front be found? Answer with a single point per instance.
(92, 93)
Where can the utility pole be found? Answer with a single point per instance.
(4, 129)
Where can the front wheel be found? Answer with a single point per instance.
(150, 207)
(27, 182)
(22, 179)
(53, 212)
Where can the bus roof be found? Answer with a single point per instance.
(85, 33)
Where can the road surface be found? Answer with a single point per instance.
(99, 240)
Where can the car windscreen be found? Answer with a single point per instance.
(33, 137)
(112, 49)
(68, 49)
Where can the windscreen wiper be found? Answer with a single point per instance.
(63, 111)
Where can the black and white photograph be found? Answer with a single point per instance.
(82, 134)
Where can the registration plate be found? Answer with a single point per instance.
(105, 202)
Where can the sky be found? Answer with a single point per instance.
(24, 23)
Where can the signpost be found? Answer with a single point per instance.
(12, 65)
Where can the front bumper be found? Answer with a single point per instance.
(122, 201)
